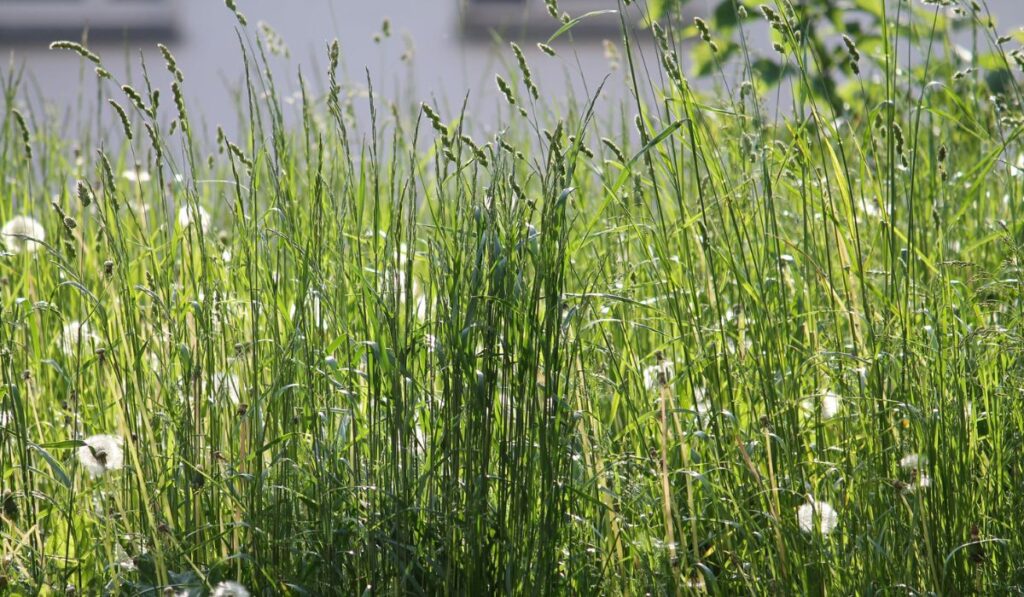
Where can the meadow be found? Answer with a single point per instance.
(760, 335)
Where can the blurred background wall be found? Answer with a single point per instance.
(437, 49)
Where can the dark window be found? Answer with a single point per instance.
(35, 20)
(531, 18)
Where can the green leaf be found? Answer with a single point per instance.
(58, 470)
(658, 8)
(725, 15)
(64, 445)
(276, 441)
(991, 61)
(769, 71)
(874, 8)
(576, 21)
(636, 157)
(655, 9)
(564, 196)
(705, 61)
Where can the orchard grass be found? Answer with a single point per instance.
(762, 340)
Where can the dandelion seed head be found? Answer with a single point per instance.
(830, 403)
(731, 345)
(140, 208)
(314, 314)
(229, 588)
(920, 481)
(697, 583)
(419, 298)
(701, 403)
(77, 334)
(101, 453)
(813, 512)
(421, 308)
(136, 175)
(827, 404)
(657, 375)
(122, 559)
(419, 439)
(225, 385)
(194, 214)
(909, 462)
(22, 233)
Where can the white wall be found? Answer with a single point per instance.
(445, 64)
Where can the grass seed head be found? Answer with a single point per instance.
(126, 125)
(238, 15)
(702, 28)
(172, 64)
(26, 139)
(77, 48)
(84, 193)
(524, 68)
(505, 90)
(552, 7)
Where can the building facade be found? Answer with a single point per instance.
(434, 50)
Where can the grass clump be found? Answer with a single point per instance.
(677, 347)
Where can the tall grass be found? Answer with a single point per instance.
(600, 352)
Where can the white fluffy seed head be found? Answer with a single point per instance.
(920, 481)
(101, 453)
(830, 403)
(22, 233)
(225, 385)
(194, 214)
(817, 516)
(76, 335)
(656, 375)
(136, 175)
(122, 559)
(826, 403)
(910, 462)
(229, 588)
(701, 403)
(314, 313)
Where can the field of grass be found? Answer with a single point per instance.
(690, 344)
